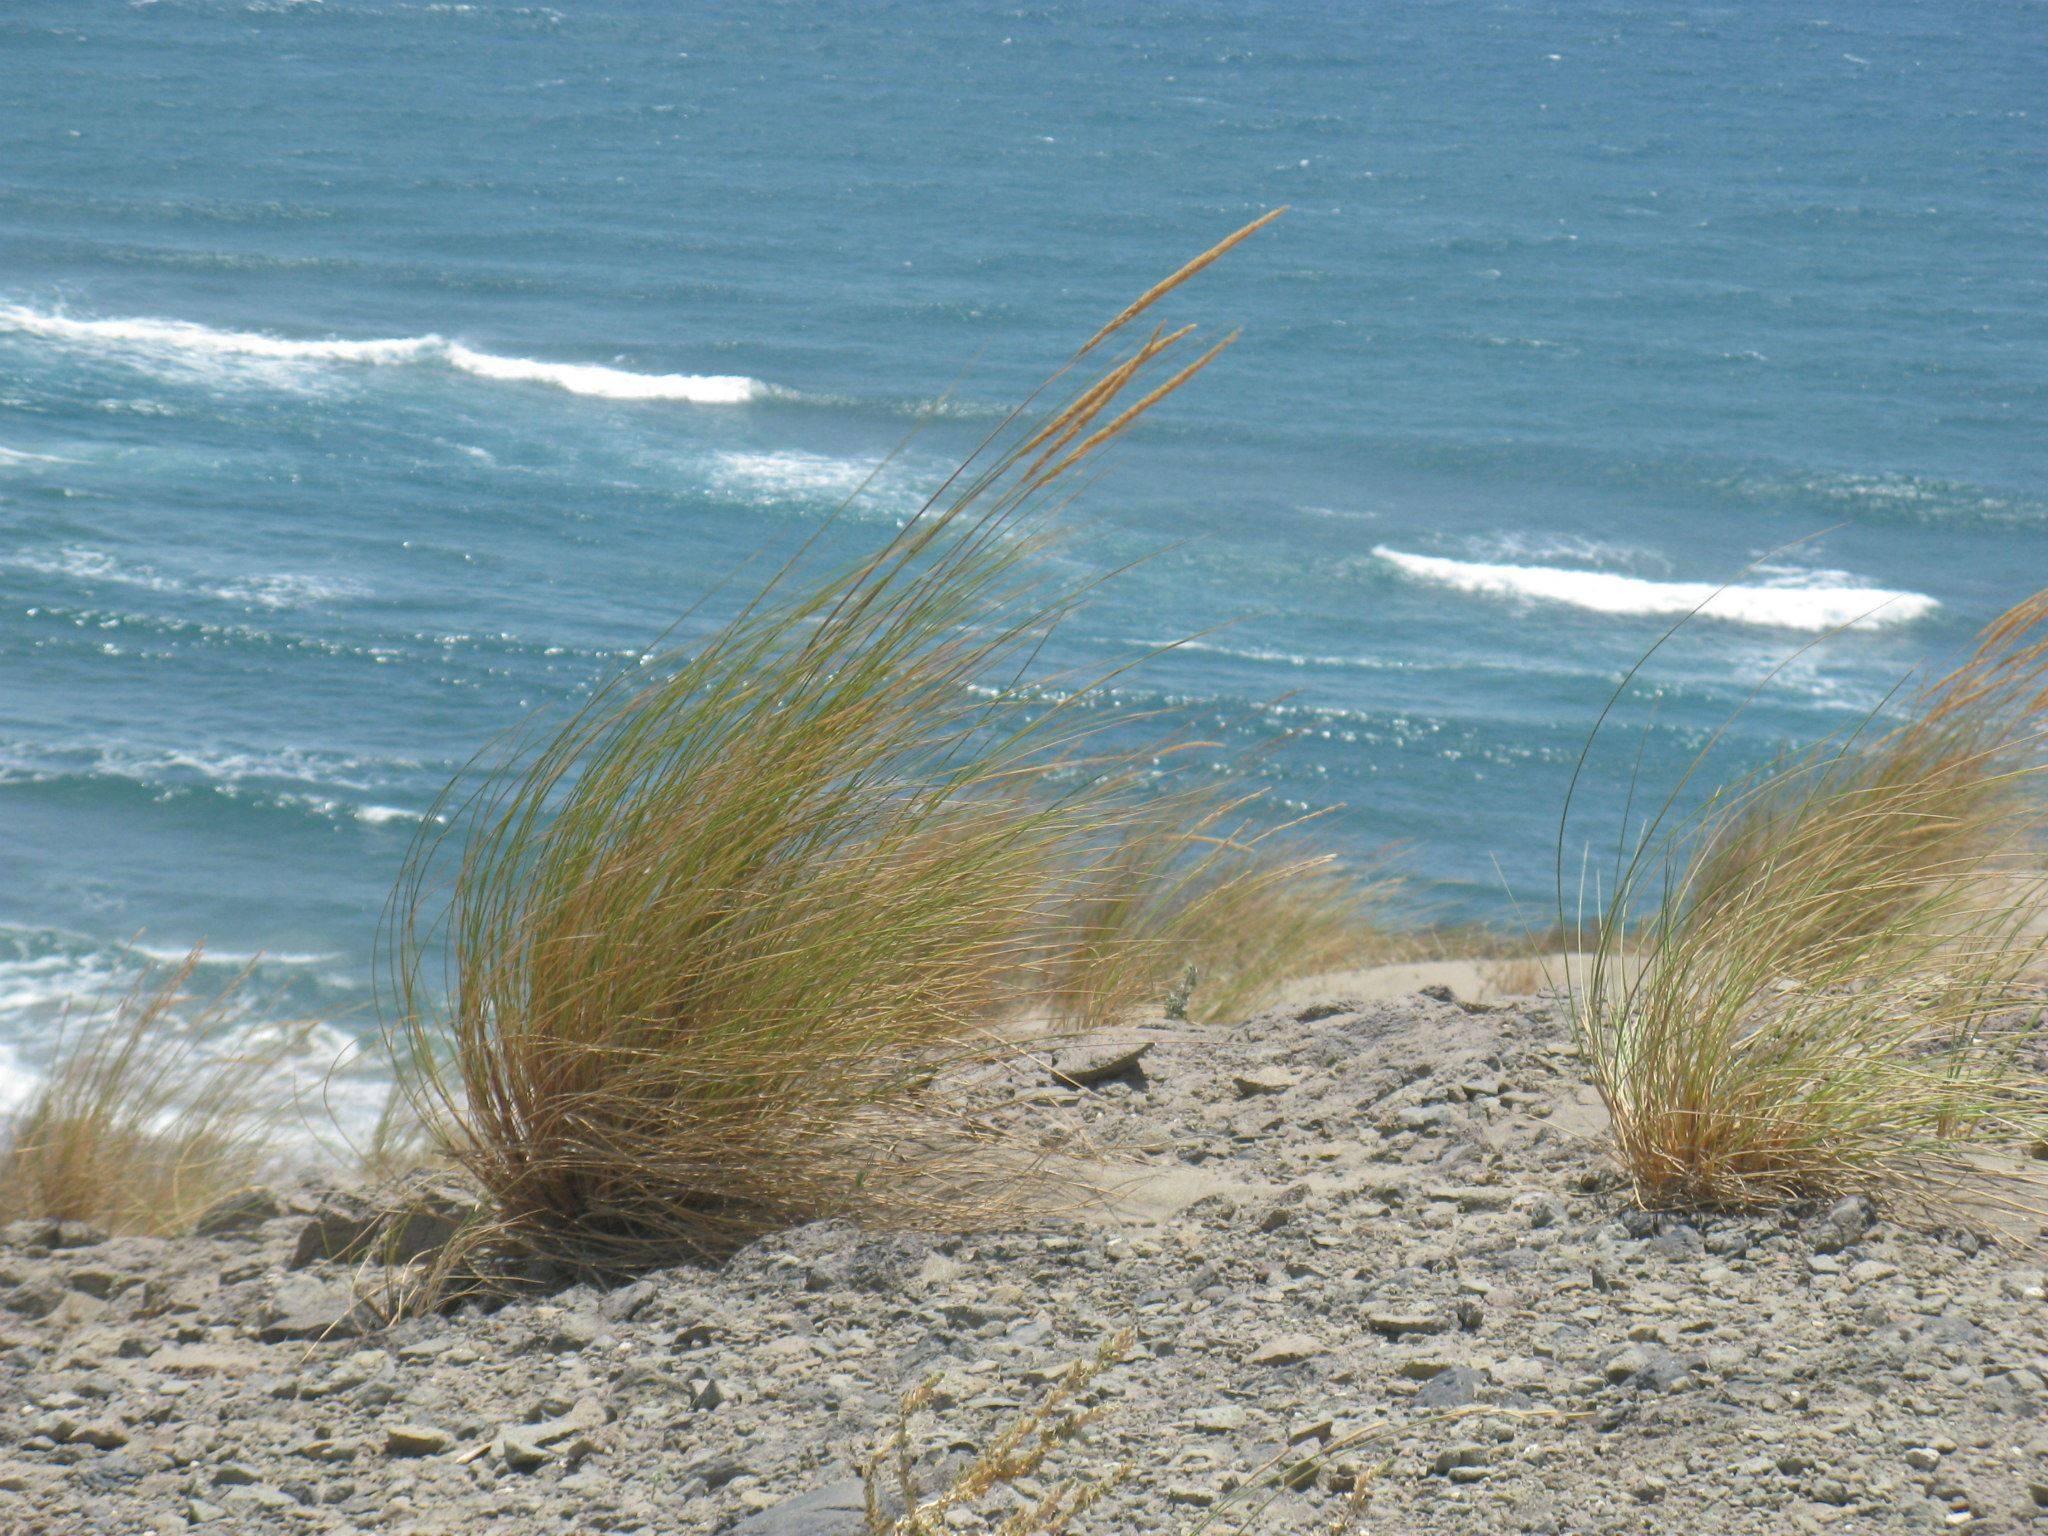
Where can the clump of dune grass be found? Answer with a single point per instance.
(1837, 987)
(720, 947)
(144, 1120)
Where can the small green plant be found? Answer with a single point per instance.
(1836, 986)
(144, 1118)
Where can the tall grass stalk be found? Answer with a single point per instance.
(1016, 1459)
(143, 1121)
(714, 944)
(1836, 987)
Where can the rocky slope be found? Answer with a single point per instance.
(1343, 1212)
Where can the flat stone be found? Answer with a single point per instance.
(1287, 1349)
(243, 1211)
(524, 1447)
(30, 1232)
(1262, 1081)
(575, 1332)
(1453, 1388)
(100, 1434)
(837, 1509)
(416, 1440)
(205, 1359)
(1395, 1325)
(1100, 1058)
(521, 1451)
(418, 1220)
(303, 1307)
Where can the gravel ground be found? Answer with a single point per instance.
(1341, 1213)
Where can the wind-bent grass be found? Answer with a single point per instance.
(142, 1122)
(714, 945)
(1838, 989)
(1936, 796)
(1216, 936)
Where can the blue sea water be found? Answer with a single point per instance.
(372, 373)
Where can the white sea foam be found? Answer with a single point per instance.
(378, 815)
(172, 954)
(220, 765)
(184, 341)
(1818, 600)
(185, 336)
(23, 456)
(791, 475)
(607, 383)
(1271, 656)
(17, 1082)
(91, 565)
(48, 976)
(265, 589)
(286, 589)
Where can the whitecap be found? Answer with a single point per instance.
(185, 336)
(609, 383)
(23, 456)
(185, 342)
(1812, 605)
(378, 815)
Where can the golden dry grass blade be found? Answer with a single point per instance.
(1160, 290)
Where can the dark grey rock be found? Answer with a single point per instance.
(1845, 1222)
(303, 1307)
(243, 1211)
(30, 1232)
(1453, 1387)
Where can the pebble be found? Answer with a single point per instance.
(416, 1440)
(1287, 1349)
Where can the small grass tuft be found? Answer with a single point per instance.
(143, 1121)
(1213, 934)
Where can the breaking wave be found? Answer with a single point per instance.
(1819, 603)
(186, 342)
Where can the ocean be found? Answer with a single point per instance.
(373, 374)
